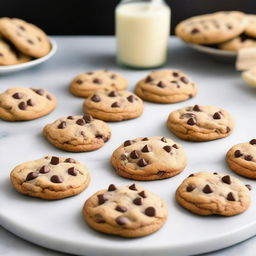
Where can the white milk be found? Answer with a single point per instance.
(142, 31)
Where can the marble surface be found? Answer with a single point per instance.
(9, 243)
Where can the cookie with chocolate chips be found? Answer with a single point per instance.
(212, 28)
(77, 133)
(128, 211)
(50, 177)
(241, 158)
(149, 158)
(113, 105)
(27, 38)
(85, 84)
(200, 123)
(22, 103)
(206, 193)
(166, 86)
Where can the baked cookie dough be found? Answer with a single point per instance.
(250, 28)
(113, 105)
(77, 133)
(166, 86)
(128, 211)
(149, 158)
(200, 123)
(50, 177)
(85, 84)
(206, 193)
(22, 103)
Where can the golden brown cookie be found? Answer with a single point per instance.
(250, 28)
(128, 211)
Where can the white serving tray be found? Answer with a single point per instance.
(59, 224)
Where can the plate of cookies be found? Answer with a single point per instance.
(221, 33)
(23, 45)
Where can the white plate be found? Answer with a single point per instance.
(32, 63)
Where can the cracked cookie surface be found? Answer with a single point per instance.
(129, 211)
(22, 103)
(149, 158)
(77, 133)
(206, 193)
(50, 177)
(200, 123)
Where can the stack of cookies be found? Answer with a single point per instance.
(228, 31)
(21, 42)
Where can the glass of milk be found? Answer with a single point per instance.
(142, 32)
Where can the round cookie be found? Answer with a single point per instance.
(77, 133)
(85, 84)
(113, 105)
(50, 177)
(200, 123)
(151, 158)
(166, 86)
(249, 77)
(26, 37)
(22, 103)
(212, 28)
(206, 193)
(128, 211)
(241, 158)
(250, 28)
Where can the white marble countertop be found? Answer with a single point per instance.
(12, 245)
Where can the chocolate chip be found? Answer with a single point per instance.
(150, 211)
(21, 27)
(32, 176)
(70, 117)
(72, 171)
(146, 149)
(97, 81)
(215, 173)
(216, 115)
(163, 139)
(142, 194)
(54, 160)
(142, 162)
(56, 179)
(228, 129)
(175, 74)
(249, 186)
(113, 76)
(70, 160)
(149, 79)
(30, 103)
(190, 187)
(191, 175)
(175, 146)
(101, 199)
(111, 187)
(30, 41)
(184, 80)
(237, 153)
(196, 108)
(145, 139)
(81, 122)
(112, 94)
(79, 81)
(22, 105)
(248, 158)
(123, 157)
(226, 179)
(191, 121)
(89, 73)
(48, 97)
(87, 118)
(115, 105)
(195, 31)
(62, 125)
(207, 189)
(96, 98)
(121, 220)
(121, 208)
(130, 98)
(17, 95)
(134, 154)
(161, 84)
(39, 92)
(167, 148)
(1, 54)
(230, 197)
(44, 169)
(133, 187)
(127, 143)
(253, 142)
(229, 26)
(39, 39)
(99, 136)
(160, 173)
(99, 219)
(137, 201)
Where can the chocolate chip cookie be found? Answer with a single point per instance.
(149, 158)
(166, 86)
(206, 193)
(128, 211)
(113, 105)
(200, 123)
(249, 76)
(241, 158)
(85, 84)
(50, 177)
(212, 28)
(250, 28)
(77, 133)
(22, 103)
(27, 38)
